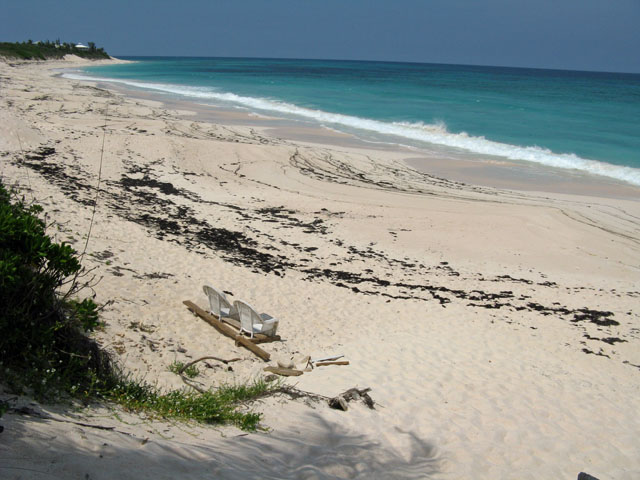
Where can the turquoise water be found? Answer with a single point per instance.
(577, 120)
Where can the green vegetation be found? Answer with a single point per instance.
(41, 328)
(218, 406)
(44, 347)
(191, 371)
(49, 50)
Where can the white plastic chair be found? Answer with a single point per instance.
(218, 303)
(252, 322)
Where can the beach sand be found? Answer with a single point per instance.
(498, 329)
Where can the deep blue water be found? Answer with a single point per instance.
(580, 120)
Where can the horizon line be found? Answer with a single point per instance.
(385, 61)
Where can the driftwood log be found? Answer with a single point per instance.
(341, 401)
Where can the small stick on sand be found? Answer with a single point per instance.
(323, 364)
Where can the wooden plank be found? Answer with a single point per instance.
(245, 342)
(323, 364)
(286, 372)
(231, 321)
(227, 330)
(211, 319)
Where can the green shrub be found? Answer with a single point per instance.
(43, 341)
(42, 337)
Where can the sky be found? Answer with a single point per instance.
(601, 35)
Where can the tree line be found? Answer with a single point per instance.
(47, 49)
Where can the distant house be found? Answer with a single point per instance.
(80, 46)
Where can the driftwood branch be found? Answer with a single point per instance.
(295, 393)
(340, 402)
(184, 367)
(187, 382)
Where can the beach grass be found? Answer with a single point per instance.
(191, 371)
(211, 406)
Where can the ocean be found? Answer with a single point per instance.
(588, 122)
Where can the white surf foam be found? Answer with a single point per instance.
(430, 133)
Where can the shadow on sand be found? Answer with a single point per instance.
(34, 448)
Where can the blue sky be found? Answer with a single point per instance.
(572, 34)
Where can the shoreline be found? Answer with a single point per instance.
(474, 169)
(482, 319)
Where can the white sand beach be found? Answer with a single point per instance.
(498, 329)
